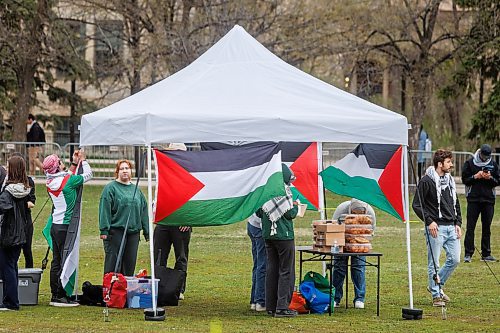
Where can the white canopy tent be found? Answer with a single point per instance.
(240, 91)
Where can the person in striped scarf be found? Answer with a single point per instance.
(277, 230)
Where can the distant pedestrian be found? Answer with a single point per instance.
(480, 175)
(424, 144)
(34, 134)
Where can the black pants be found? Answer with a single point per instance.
(420, 170)
(27, 252)
(112, 247)
(473, 210)
(58, 234)
(9, 275)
(163, 238)
(280, 274)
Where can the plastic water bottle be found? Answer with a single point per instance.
(335, 247)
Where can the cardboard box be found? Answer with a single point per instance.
(329, 238)
(328, 227)
(326, 249)
(139, 292)
(28, 285)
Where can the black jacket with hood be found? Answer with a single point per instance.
(449, 215)
(480, 190)
(13, 207)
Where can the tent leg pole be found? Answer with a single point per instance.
(154, 314)
(408, 313)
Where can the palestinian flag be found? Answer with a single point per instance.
(207, 188)
(300, 157)
(371, 173)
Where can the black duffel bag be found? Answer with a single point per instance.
(170, 285)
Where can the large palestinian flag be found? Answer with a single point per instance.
(372, 173)
(206, 188)
(300, 157)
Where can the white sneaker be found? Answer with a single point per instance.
(336, 305)
(181, 296)
(359, 305)
(252, 306)
(259, 308)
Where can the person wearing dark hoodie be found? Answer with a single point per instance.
(13, 206)
(436, 204)
(277, 230)
(480, 175)
(27, 250)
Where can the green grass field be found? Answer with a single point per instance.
(219, 280)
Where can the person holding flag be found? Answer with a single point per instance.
(64, 190)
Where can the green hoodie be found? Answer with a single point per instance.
(284, 226)
(114, 207)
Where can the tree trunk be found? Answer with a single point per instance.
(454, 107)
(420, 97)
(26, 74)
(24, 101)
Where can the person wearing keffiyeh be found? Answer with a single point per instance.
(436, 203)
(277, 230)
(480, 175)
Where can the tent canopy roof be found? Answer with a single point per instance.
(240, 91)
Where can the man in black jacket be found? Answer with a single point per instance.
(436, 203)
(35, 133)
(480, 175)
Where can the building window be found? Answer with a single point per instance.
(108, 47)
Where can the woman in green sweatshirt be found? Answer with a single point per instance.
(117, 202)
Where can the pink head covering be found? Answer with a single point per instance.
(51, 164)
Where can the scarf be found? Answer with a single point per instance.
(277, 207)
(477, 160)
(441, 184)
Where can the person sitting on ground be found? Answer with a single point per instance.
(358, 267)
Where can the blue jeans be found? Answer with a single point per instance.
(446, 239)
(258, 294)
(358, 267)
